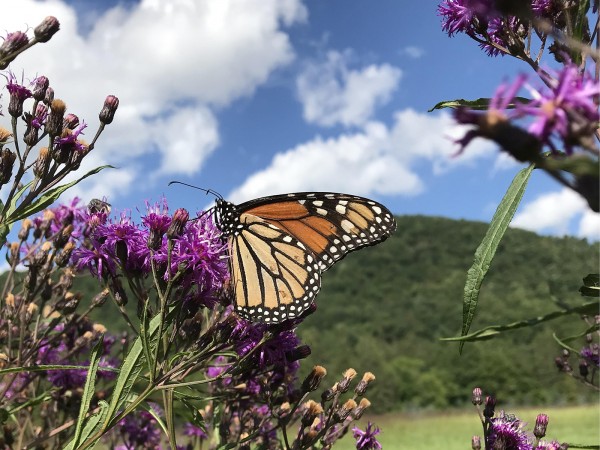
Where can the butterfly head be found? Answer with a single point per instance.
(227, 217)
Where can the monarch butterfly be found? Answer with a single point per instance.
(280, 245)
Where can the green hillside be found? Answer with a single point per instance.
(384, 309)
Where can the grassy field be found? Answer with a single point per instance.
(575, 425)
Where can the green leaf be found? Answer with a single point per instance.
(92, 425)
(13, 203)
(494, 330)
(478, 104)
(49, 197)
(487, 249)
(88, 389)
(591, 286)
(4, 415)
(130, 371)
(45, 367)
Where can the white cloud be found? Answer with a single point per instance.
(555, 212)
(412, 51)
(376, 160)
(158, 57)
(331, 93)
(589, 226)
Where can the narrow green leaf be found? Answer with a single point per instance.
(157, 417)
(92, 425)
(45, 367)
(49, 197)
(478, 104)
(88, 389)
(591, 286)
(487, 249)
(129, 373)
(494, 330)
(13, 203)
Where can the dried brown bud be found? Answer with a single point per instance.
(54, 124)
(344, 411)
(476, 443)
(10, 300)
(313, 380)
(490, 406)
(14, 253)
(3, 360)
(62, 259)
(99, 328)
(100, 298)
(363, 384)
(46, 293)
(7, 162)
(107, 114)
(360, 409)
(45, 30)
(344, 384)
(312, 409)
(5, 135)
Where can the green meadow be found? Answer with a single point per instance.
(453, 430)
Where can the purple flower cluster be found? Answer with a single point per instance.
(140, 430)
(197, 255)
(556, 113)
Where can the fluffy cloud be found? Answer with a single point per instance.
(555, 212)
(333, 94)
(158, 58)
(376, 160)
(412, 51)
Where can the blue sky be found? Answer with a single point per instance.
(258, 97)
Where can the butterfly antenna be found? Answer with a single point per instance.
(208, 191)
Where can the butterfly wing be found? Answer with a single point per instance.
(331, 225)
(279, 246)
(274, 276)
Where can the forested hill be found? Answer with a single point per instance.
(384, 309)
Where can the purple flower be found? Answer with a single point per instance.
(508, 433)
(591, 355)
(275, 351)
(365, 440)
(67, 378)
(140, 430)
(70, 140)
(554, 109)
(543, 445)
(189, 429)
(465, 16)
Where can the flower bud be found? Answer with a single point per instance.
(5, 135)
(583, 368)
(54, 124)
(180, 218)
(45, 30)
(63, 236)
(360, 409)
(107, 113)
(18, 95)
(344, 411)
(490, 406)
(328, 394)
(476, 443)
(24, 231)
(312, 409)
(541, 423)
(62, 259)
(40, 84)
(312, 381)
(300, 352)
(7, 162)
(344, 384)
(363, 384)
(12, 44)
(476, 398)
(100, 298)
(49, 97)
(14, 253)
(71, 121)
